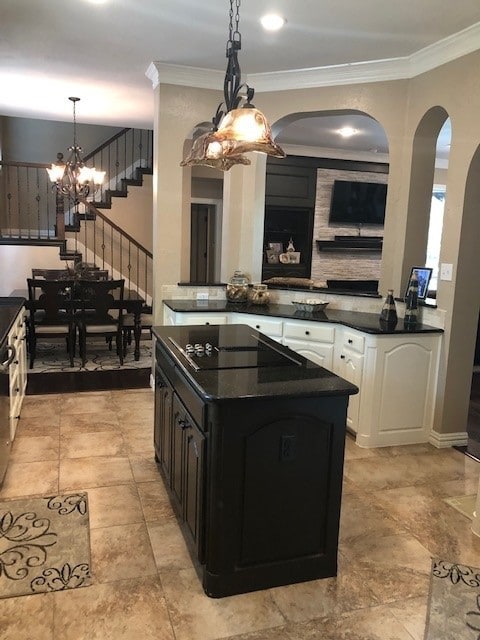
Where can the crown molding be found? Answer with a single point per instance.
(435, 55)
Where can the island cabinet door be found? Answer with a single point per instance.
(163, 423)
(188, 444)
(273, 493)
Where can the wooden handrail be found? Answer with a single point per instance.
(119, 230)
(106, 143)
(34, 165)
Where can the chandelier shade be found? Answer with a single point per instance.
(73, 177)
(237, 127)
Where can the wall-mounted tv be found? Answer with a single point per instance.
(358, 202)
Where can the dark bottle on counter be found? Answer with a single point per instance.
(388, 315)
(411, 304)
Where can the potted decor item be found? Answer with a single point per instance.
(258, 294)
(388, 315)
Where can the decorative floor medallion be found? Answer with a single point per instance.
(454, 602)
(44, 544)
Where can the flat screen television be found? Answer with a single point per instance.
(358, 202)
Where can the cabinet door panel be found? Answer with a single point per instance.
(321, 354)
(194, 444)
(351, 368)
(178, 431)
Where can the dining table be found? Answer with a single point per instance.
(132, 303)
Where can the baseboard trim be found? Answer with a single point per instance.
(444, 440)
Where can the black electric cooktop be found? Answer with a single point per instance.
(206, 350)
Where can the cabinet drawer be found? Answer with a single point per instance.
(354, 341)
(201, 318)
(267, 326)
(316, 332)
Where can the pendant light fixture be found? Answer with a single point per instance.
(237, 127)
(73, 177)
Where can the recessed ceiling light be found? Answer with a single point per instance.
(97, 1)
(347, 132)
(272, 22)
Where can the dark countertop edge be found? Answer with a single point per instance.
(346, 388)
(9, 309)
(284, 311)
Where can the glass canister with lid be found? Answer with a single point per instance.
(237, 287)
(258, 294)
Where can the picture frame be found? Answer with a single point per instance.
(423, 276)
(277, 247)
(272, 256)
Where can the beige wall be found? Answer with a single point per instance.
(399, 106)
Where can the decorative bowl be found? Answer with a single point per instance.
(311, 306)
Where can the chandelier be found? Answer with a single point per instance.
(73, 177)
(237, 126)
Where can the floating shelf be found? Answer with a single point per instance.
(353, 243)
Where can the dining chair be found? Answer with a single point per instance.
(99, 312)
(51, 274)
(50, 314)
(146, 323)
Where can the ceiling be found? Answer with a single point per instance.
(52, 49)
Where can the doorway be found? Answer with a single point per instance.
(202, 243)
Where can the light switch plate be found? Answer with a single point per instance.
(446, 271)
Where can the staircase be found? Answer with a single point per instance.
(31, 213)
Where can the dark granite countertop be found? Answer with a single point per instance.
(9, 308)
(301, 379)
(367, 322)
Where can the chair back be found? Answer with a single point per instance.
(97, 298)
(52, 298)
(50, 274)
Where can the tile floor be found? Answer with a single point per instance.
(394, 519)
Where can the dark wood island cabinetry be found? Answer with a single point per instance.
(250, 438)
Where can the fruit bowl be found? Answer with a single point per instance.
(311, 306)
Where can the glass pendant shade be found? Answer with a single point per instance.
(207, 151)
(246, 129)
(55, 173)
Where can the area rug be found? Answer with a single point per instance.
(454, 602)
(44, 544)
(51, 357)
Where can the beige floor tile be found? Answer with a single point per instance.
(83, 473)
(360, 518)
(30, 479)
(122, 610)
(84, 445)
(139, 442)
(27, 617)
(168, 545)
(376, 623)
(39, 426)
(116, 505)
(393, 567)
(141, 400)
(195, 616)
(155, 501)
(44, 406)
(121, 552)
(354, 452)
(144, 468)
(87, 402)
(35, 448)
(329, 596)
(88, 423)
(412, 614)
(132, 416)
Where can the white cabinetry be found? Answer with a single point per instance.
(313, 340)
(271, 327)
(348, 364)
(395, 373)
(17, 372)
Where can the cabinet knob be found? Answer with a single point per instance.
(257, 326)
(350, 341)
(307, 333)
(183, 424)
(342, 357)
(207, 323)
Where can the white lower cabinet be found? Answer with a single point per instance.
(315, 341)
(271, 327)
(395, 373)
(17, 372)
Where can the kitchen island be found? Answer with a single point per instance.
(352, 344)
(250, 440)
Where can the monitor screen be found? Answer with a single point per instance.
(358, 202)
